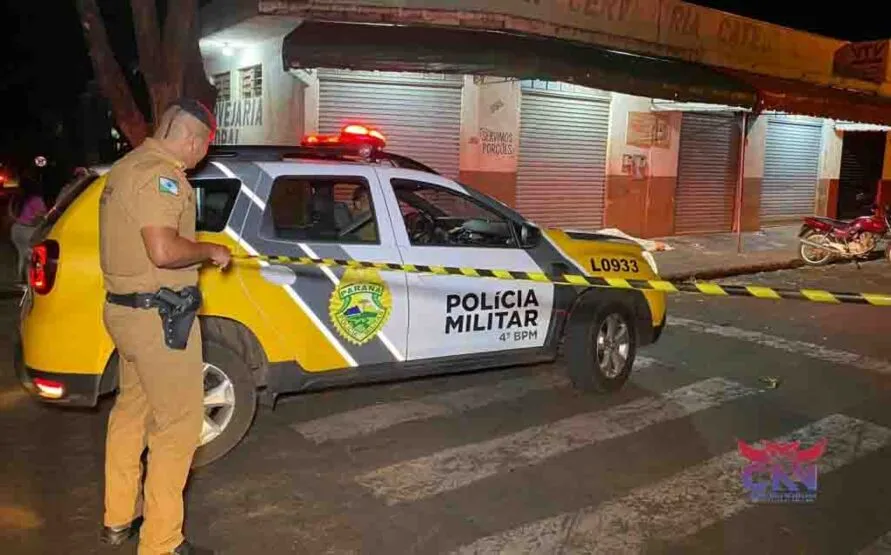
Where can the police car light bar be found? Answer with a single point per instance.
(351, 135)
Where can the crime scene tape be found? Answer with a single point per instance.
(578, 280)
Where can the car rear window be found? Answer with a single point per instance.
(66, 197)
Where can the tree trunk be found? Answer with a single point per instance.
(148, 46)
(109, 75)
(177, 33)
(196, 84)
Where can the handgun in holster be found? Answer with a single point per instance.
(178, 310)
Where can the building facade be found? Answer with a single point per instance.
(563, 154)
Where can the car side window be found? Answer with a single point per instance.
(439, 217)
(214, 199)
(321, 209)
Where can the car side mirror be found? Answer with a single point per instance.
(529, 235)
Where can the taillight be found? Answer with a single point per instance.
(49, 388)
(42, 269)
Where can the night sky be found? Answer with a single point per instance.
(45, 66)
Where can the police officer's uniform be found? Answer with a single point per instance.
(160, 401)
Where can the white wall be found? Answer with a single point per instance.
(661, 162)
(277, 117)
(490, 124)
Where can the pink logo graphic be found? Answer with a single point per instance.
(776, 473)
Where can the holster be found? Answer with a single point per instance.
(177, 310)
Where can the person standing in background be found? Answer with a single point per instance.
(26, 212)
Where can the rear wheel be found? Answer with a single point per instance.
(601, 345)
(230, 399)
(814, 256)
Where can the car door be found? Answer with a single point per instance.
(455, 315)
(318, 211)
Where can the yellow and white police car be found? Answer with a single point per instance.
(274, 326)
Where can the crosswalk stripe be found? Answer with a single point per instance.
(374, 418)
(811, 350)
(881, 546)
(679, 506)
(460, 466)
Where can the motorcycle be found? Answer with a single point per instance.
(822, 239)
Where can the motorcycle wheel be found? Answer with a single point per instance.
(813, 256)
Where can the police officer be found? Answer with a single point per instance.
(147, 241)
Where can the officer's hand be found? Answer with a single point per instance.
(221, 256)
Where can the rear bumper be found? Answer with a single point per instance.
(74, 390)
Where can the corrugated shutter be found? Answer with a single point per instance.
(419, 114)
(562, 160)
(707, 172)
(791, 167)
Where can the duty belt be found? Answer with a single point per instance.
(176, 308)
(133, 300)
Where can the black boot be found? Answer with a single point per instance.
(119, 535)
(186, 548)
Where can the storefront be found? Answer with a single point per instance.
(420, 114)
(708, 170)
(791, 167)
(561, 174)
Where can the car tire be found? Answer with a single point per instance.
(222, 362)
(583, 358)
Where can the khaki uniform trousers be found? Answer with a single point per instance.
(159, 406)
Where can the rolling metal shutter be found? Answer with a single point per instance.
(707, 172)
(420, 115)
(791, 168)
(561, 171)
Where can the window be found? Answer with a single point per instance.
(251, 81)
(438, 217)
(214, 199)
(223, 83)
(337, 209)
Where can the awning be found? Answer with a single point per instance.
(386, 47)
(807, 99)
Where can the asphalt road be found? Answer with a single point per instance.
(517, 462)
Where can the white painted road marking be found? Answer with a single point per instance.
(461, 466)
(789, 345)
(374, 418)
(678, 506)
(881, 546)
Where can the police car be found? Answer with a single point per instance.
(274, 326)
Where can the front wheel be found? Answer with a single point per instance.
(601, 345)
(813, 256)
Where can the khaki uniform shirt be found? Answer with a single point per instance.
(147, 187)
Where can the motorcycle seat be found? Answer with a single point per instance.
(831, 221)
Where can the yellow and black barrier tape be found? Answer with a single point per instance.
(578, 280)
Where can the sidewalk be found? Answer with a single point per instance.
(715, 255)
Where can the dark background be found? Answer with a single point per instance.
(44, 82)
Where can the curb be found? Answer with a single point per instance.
(753, 268)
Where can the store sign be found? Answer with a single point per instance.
(648, 130)
(692, 32)
(235, 116)
(863, 60)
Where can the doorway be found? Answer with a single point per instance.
(861, 169)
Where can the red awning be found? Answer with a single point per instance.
(807, 99)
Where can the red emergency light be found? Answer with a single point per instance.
(350, 135)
